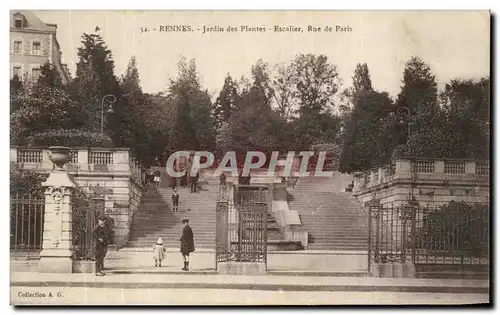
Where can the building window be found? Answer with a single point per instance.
(16, 72)
(35, 73)
(36, 48)
(18, 22)
(17, 47)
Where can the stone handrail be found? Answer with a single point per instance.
(118, 161)
(423, 169)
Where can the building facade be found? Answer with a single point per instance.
(32, 44)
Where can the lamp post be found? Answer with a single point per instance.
(102, 109)
(407, 110)
(111, 102)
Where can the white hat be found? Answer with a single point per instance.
(159, 241)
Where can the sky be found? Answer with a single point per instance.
(456, 44)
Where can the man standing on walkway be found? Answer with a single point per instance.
(100, 235)
(187, 243)
(175, 201)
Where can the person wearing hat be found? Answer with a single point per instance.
(100, 235)
(187, 243)
(159, 251)
(175, 201)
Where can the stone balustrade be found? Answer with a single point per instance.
(423, 169)
(430, 180)
(83, 161)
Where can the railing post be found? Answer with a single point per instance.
(370, 209)
(377, 236)
(413, 234)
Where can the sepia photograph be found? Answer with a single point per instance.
(250, 157)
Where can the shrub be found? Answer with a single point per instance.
(458, 228)
(69, 138)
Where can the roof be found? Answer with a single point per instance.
(33, 21)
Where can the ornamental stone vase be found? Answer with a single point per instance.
(59, 156)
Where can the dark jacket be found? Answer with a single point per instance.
(187, 240)
(101, 233)
(175, 198)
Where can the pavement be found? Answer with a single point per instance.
(292, 279)
(193, 289)
(255, 282)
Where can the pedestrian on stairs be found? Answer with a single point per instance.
(223, 180)
(157, 177)
(159, 251)
(187, 243)
(194, 181)
(100, 235)
(175, 201)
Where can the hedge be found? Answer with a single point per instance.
(69, 138)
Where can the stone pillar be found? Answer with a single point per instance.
(56, 254)
(439, 167)
(470, 167)
(403, 169)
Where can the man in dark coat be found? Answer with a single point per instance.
(223, 180)
(187, 243)
(194, 182)
(100, 235)
(175, 201)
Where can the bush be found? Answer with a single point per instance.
(69, 138)
(458, 228)
(24, 181)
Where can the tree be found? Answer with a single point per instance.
(305, 95)
(95, 79)
(42, 108)
(226, 102)
(285, 92)
(49, 76)
(253, 125)
(316, 81)
(16, 87)
(367, 135)
(418, 94)
(193, 127)
(361, 80)
(460, 129)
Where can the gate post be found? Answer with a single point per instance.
(56, 255)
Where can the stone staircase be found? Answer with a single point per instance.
(334, 219)
(155, 218)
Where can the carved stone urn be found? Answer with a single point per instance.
(59, 156)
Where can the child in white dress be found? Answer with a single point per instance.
(159, 252)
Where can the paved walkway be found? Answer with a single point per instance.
(264, 282)
(279, 261)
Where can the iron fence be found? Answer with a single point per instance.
(242, 226)
(456, 233)
(26, 223)
(83, 225)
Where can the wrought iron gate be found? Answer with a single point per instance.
(242, 228)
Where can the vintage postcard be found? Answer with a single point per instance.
(249, 157)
